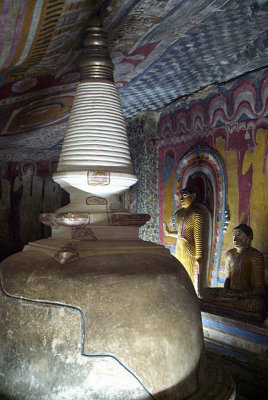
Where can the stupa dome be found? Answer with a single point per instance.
(122, 321)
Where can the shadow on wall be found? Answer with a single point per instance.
(26, 190)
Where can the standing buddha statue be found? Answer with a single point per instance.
(192, 242)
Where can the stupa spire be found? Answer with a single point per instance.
(95, 154)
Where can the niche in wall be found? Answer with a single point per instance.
(202, 170)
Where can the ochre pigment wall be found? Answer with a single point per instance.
(26, 190)
(223, 130)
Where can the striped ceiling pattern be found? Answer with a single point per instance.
(162, 49)
(39, 37)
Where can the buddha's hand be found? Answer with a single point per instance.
(198, 265)
(197, 284)
(166, 231)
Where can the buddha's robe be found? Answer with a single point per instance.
(192, 239)
(245, 283)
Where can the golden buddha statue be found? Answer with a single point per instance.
(244, 287)
(192, 244)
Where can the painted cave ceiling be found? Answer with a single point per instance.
(162, 50)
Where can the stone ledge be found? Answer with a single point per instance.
(237, 334)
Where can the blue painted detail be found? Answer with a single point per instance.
(3, 76)
(167, 168)
(220, 89)
(221, 280)
(171, 248)
(152, 35)
(226, 350)
(61, 103)
(174, 222)
(161, 82)
(243, 117)
(256, 337)
(80, 44)
(103, 7)
(178, 178)
(125, 14)
(2, 79)
(219, 123)
(58, 145)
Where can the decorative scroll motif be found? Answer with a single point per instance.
(245, 100)
(65, 219)
(38, 114)
(205, 160)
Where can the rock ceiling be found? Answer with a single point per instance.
(162, 50)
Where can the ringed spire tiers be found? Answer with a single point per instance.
(95, 154)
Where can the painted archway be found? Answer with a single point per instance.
(204, 163)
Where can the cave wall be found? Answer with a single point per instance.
(223, 127)
(223, 131)
(26, 190)
(141, 129)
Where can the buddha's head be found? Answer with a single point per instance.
(187, 197)
(242, 236)
(28, 169)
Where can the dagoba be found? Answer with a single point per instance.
(93, 312)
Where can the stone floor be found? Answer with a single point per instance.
(249, 371)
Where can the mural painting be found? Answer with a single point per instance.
(34, 48)
(221, 140)
(217, 140)
(37, 114)
(26, 190)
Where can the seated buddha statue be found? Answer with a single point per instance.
(244, 287)
(192, 238)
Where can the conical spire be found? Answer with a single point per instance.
(95, 154)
